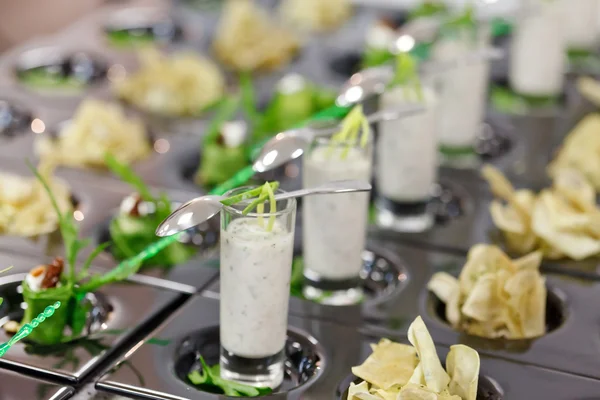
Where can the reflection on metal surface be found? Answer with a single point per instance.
(162, 145)
(38, 126)
(116, 73)
(78, 215)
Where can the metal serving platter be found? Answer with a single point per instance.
(569, 316)
(16, 386)
(149, 371)
(132, 309)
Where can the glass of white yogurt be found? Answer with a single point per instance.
(256, 266)
(334, 226)
(581, 29)
(538, 50)
(406, 166)
(462, 93)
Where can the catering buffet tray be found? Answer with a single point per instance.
(157, 367)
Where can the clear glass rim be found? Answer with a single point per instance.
(289, 207)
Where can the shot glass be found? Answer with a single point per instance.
(335, 226)
(256, 266)
(537, 60)
(462, 95)
(406, 167)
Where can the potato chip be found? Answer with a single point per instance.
(435, 377)
(182, 84)
(426, 379)
(462, 365)
(96, 128)
(390, 364)
(580, 151)
(26, 209)
(248, 39)
(316, 15)
(499, 297)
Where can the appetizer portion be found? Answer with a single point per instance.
(249, 39)
(26, 210)
(494, 296)
(561, 221)
(316, 15)
(223, 151)
(256, 265)
(62, 281)
(96, 128)
(580, 151)
(133, 229)
(335, 226)
(403, 372)
(183, 84)
(406, 167)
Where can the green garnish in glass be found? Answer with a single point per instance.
(131, 233)
(209, 379)
(348, 135)
(258, 196)
(407, 76)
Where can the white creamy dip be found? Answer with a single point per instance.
(463, 94)
(580, 23)
(406, 165)
(334, 226)
(256, 268)
(537, 59)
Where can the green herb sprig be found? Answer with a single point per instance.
(348, 134)
(406, 75)
(260, 195)
(73, 246)
(210, 378)
(457, 25)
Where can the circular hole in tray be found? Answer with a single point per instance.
(379, 277)
(15, 119)
(50, 69)
(346, 64)
(134, 26)
(542, 107)
(556, 315)
(204, 237)
(303, 364)
(449, 202)
(487, 388)
(99, 309)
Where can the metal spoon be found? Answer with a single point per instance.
(200, 209)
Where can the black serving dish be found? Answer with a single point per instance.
(20, 387)
(118, 314)
(567, 346)
(56, 70)
(163, 361)
(500, 379)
